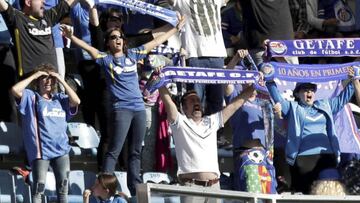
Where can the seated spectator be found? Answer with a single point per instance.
(104, 191)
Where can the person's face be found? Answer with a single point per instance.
(37, 8)
(98, 190)
(307, 95)
(192, 106)
(116, 41)
(46, 84)
(114, 20)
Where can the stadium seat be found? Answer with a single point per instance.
(11, 141)
(160, 178)
(79, 181)
(8, 191)
(156, 177)
(22, 188)
(121, 177)
(84, 137)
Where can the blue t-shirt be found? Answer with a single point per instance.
(114, 199)
(122, 78)
(80, 19)
(51, 118)
(247, 122)
(314, 139)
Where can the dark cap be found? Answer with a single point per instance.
(304, 85)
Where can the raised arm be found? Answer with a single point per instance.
(73, 97)
(338, 102)
(162, 38)
(18, 88)
(240, 54)
(3, 5)
(170, 106)
(69, 34)
(238, 101)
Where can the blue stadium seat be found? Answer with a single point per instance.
(84, 137)
(79, 181)
(8, 193)
(11, 141)
(156, 177)
(160, 178)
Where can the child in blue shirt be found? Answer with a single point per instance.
(104, 191)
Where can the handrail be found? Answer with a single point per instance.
(146, 191)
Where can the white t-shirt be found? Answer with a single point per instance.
(196, 144)
(202, 36)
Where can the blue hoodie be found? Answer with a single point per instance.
(295, 114)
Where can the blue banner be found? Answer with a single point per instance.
(145, 8)
(335, 47)
(307, 72)
(200, 75)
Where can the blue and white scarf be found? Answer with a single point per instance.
(336, 47)
(145, 8)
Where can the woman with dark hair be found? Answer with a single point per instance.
(44, 121)
(312, 144)
(128, 109)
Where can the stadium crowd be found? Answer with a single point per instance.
(60, 58)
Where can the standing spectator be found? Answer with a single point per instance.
(120, 66)
(299, 18)
(264, 19)
(253, 150)
(44, 121)
(195, 138)
(312, 144)
(31, 29)
(58, 40)
(95, 105)
(204, 44)
(98, 98)
(232, 26)
(7, 72)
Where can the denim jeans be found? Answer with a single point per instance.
(122, 120)
(61, 168)
(211, 96)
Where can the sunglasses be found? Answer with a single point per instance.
(116, 37)
(115, 18)
(46, 77)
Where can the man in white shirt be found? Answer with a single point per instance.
(195, 138)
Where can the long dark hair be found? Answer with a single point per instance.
(107, 36)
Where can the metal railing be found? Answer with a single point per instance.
(146, 193)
